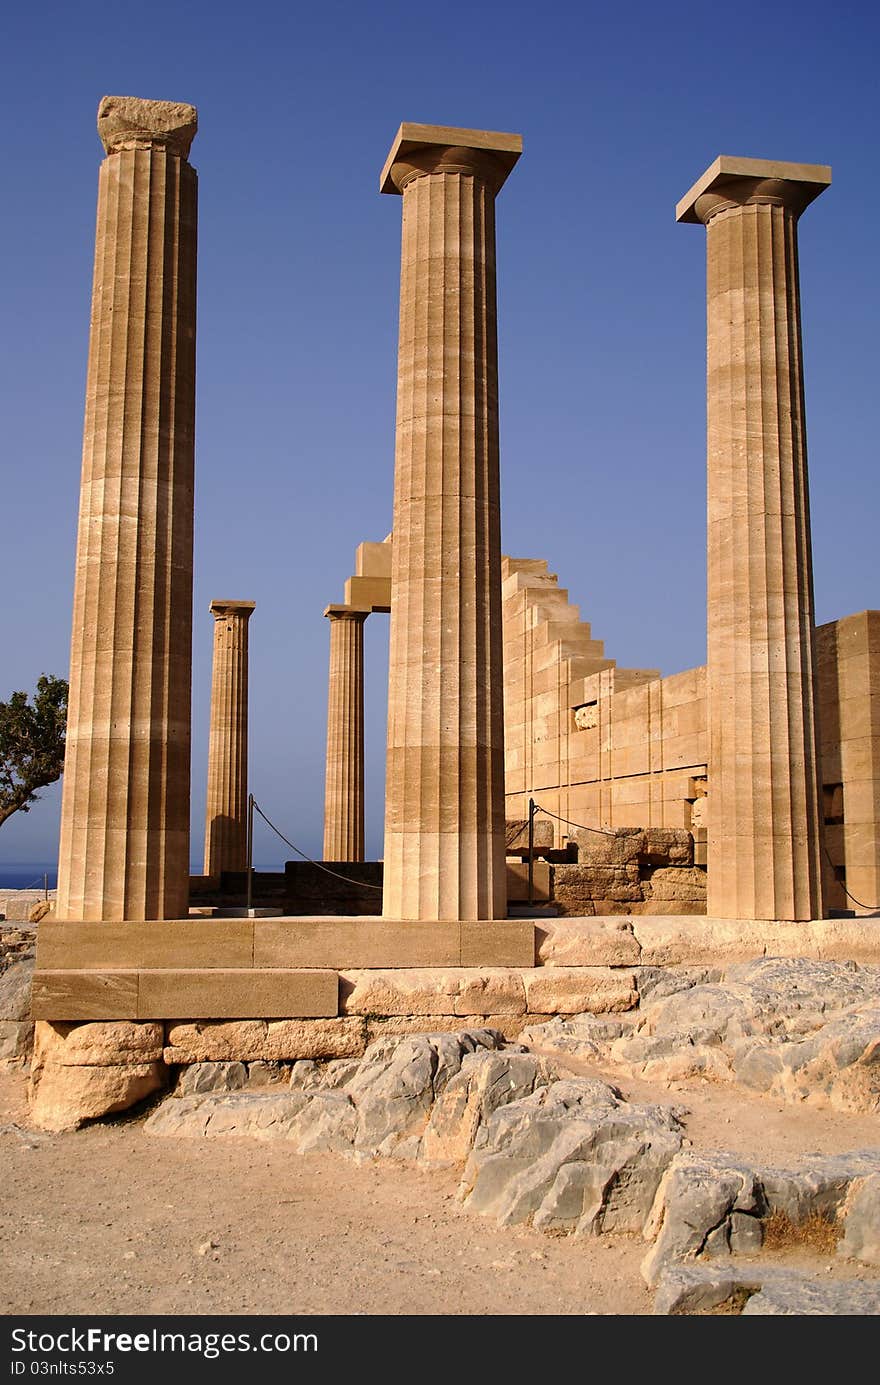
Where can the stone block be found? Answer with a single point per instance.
(111, 1044)
(267, 1040)
(589, 942)
(222, 994)
(686, 884)
(346, 944)
(578, 890)
(458, 991)
(132, 946)
(85, 995)
(500, 943)
(573, 990)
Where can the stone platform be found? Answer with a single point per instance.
(320, 968)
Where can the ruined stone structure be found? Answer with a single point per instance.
(226, 809)
(444, 799)
(764, 830)
(124, 851)
(618, 748)
(122, 997)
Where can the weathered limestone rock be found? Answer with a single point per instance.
(693, 1209)
(509, 1026)
(344, 778)
(764, 833)
(100, 1042)
(587, 942)
(572, 1157)
(379, 1108)
(261, 1116)
(581, 1036)
(82, 1071)
(820, 1186)
(16, 1038)
(861, 1236)
(66, 1096)
(432, 991)
(677, 884)
(400, 1079)
(309, 1075)
(711, 1203)
(212, 1077)
(484, 1082)
(16, 1026)
(268, 1040)
(676, 941)
(124, 851)
(762, 1290)
(796, 1296)
(444, 818)
(801, 1030)
(570, 990)
(226, 802)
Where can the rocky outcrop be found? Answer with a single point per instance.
(761, 1290)
(798, 1029)
(571, 1157)
(16, 1026)
(713, 1204)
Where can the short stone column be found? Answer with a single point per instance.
(344, 781)
(124, 851)
(444, 793)
(226, 805)
(764, 834)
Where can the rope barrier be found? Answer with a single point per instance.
(602, 831)
(873, 908)
(347, 878)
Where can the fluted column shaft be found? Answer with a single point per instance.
(764, 823)
(344, 781)
(124, 850)
(444, 819)
(226, 804)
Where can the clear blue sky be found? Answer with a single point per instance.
(601, 301)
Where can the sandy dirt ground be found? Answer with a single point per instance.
(110, 1220)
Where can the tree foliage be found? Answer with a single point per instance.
(31, 744)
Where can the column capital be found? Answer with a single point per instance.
(221, 610)
(732, 182)
(347, 613)
(421, 149)
(129, 122)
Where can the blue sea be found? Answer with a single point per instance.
(29, 874)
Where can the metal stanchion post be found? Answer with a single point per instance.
(532, 811)
(250, 852)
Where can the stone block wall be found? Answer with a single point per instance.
(848, 659)
(611, 747)
(630, 871)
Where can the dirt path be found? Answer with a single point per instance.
(110, 1220)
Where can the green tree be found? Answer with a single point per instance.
(31, 744)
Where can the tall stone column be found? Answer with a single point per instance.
(444, 815)
(226, 805)
(344, 782)
(764, 831)
(124, 851)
